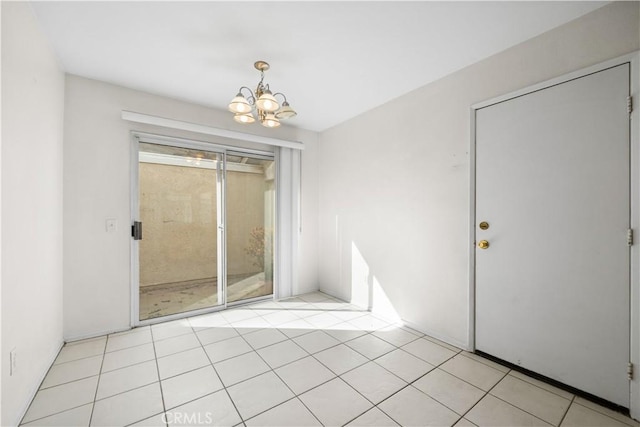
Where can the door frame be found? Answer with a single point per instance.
(633, 60)
(136, 138)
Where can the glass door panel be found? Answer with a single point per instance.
(180, 209)
(250, 222)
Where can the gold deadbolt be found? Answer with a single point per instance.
(483, 225)
(483, 244)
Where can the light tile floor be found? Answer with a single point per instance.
(305, 361)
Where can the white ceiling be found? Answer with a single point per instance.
(333, 60)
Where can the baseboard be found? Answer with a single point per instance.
(437, 335)
(426, 331)
(95, 334)
(332, 295)
(34, 391)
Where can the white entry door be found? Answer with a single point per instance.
(553, 186)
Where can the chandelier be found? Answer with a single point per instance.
(262, 104)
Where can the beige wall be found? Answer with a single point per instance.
(395, 181)
(32, 125)
(178, 213)
(246, 194)
(179, 216)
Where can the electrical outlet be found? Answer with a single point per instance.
(13, 362)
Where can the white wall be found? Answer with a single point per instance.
(32, 124)
(395, 181)
(97, 187)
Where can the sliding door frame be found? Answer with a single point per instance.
(274, 157)
(136, 139)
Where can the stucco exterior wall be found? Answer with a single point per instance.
(179, 216)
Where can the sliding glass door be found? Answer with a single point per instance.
(204, 229)
(179, 198)
(250, 226)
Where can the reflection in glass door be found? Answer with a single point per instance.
(250, 221)
(179, 207)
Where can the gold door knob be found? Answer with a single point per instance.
(483, 244)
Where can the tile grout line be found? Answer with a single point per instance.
(573, 399)
(126, 366)
(271, 369)
(78, 359)
(483, 361)
(191, 400)
(53, 414)
(21, 422)
(486, 393)
(349, 385)
(68, 382)
(224, 387)
(375, 405)
(533, 385)
(413, 382)
(124, 391)
(164, 407)
(526, 379)
(504, 374)
(358, 366)
(95, 395)
(384, 400)
(104, 354)
(366, 332)
(397, 376)
(604, 414)
(125, 348)
(287, 385)
(509, 403)
(295, 396)
(517, 407)
(217, 374)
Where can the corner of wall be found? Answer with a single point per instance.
(31, 257)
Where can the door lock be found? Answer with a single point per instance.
(483, 244)
(484, 225)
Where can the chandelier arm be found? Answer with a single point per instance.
(281, 94)
(251, 98)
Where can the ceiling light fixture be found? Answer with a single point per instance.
(266, 106)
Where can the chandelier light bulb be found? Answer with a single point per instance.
(239, 104)
(286, 112)
(244, 118)
(267, 102)
(270, 121)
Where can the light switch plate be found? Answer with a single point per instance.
(13, 362)
(111, 225)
